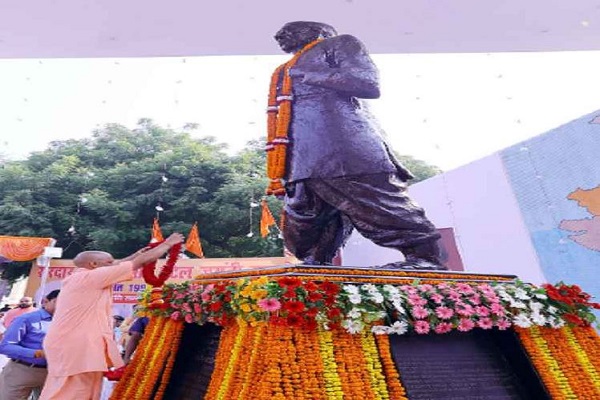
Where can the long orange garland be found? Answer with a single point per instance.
(279, 116)
(263, 361)
(564, 360)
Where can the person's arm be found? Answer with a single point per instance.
(350, 70)
(11, 346)
(100, 278)
(134, 255)
(132, 343)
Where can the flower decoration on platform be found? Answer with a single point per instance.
(421, 308)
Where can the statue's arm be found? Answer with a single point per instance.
(350, 69)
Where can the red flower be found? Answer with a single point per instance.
(290, 293)
(295, 320)
(574, 319)
(311, 286)
(294, 306)
(289, 282)
(333, 313)
(330, 288)
(314, 296)
(216, 306)
(311, 312)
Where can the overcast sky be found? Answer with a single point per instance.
(447, 109)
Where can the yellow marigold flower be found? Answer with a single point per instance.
(260, 281)
(245, 307)
(259, 294)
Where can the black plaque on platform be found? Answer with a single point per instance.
(473, 365)
(195, 362)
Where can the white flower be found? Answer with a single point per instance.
(369, 287)
(396, 297)
(518, 304)
(354, 313)
(353, 326)
(380, 330)
(392, 290)
(535, 306)
(521, 294)
(505, 296)
(352, 289)
(399, 328)
(522, 320)
(551, 309)
(398, 306)
(538, 319)
(541, 296)
(377, 297)
(355, 298)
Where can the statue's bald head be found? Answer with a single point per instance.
(293, 36)
(93, 259)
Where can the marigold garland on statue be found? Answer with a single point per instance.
(279, 115)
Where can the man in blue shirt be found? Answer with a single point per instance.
(135, 332)
(26, 371)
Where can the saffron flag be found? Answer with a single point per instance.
(266, 220)
(193, 244)
(156, 233)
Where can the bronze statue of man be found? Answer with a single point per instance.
(340, 173)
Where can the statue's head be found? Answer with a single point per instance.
(295, 35)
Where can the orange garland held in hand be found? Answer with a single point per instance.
(279, 116)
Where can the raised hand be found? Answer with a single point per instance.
(174, 239)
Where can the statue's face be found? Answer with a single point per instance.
(294, 36)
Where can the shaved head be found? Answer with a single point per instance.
(93, 259)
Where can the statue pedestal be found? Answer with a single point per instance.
(308, 332)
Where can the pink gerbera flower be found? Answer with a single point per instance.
(503, 324)
(270, 304)
(422, 327)
(443, 327)
(416, 300)
(497, 309)
(419, 312)
(475, 299)
(175, 316)
(188, 318)
(444, 312)
(465, 325)
(482, 311)
(437, 298)
(485, 323)
(454, 295)
(465, 310)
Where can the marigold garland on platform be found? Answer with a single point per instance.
(279, 115)
(394, 385)
(564, 362)
(152, 363)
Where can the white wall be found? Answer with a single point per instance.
(477, 201)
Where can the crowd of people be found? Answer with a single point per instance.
(61, 350)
